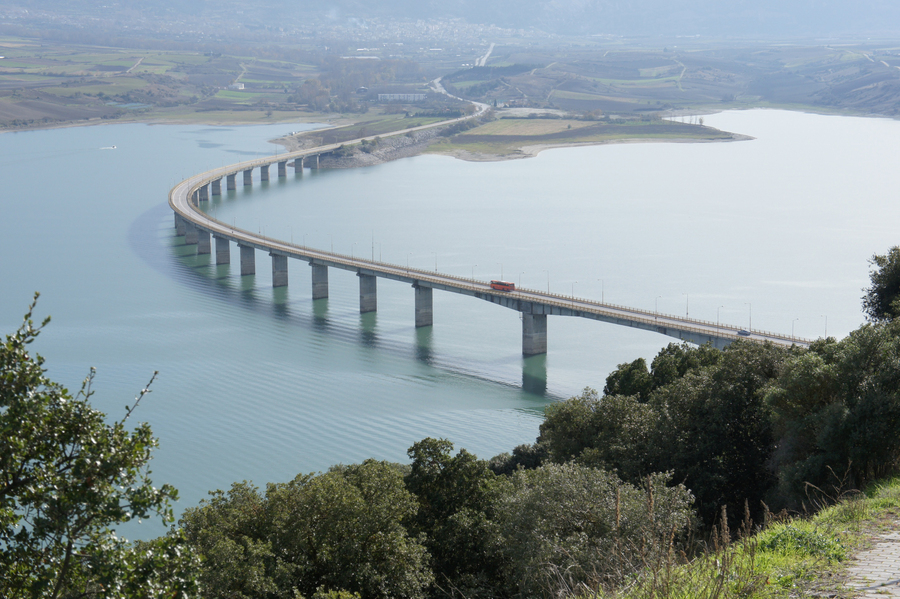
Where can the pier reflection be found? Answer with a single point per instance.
(534, 374)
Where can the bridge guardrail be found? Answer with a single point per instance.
(569, 302)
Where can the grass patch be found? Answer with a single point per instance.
(792, 558)
(526, 127)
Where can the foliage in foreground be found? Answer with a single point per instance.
(349, 530)
(789, 558)
(66, 479)
(752, 423)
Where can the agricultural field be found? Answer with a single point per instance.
(45, 85)
(510, 137)
(620, 80)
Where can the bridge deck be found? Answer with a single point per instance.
(529, 301)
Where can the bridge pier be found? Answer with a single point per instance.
(230, 181)
(264, 172)
(282, 169)
(203, 243)
(223, 250)
(298, 164)
(368, 297)
(248, 260)
(204, 193)
(191, 233)
(314, 165)
(424, 306)
(319, 281)
(179, 224)
(248, 177)
(534, 334)
(195, 198)
(217, 187)
(279, 270)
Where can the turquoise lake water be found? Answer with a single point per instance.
(261, 384)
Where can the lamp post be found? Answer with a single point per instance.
(601, 291)
(501, 270)
(825, 316)
(548, 280)
(656, 307)
(520, 278)
(717, 319)
(792, 327)
(473, 271)
(573, 293)
(687, 302)
(352, 246)
(750, 315)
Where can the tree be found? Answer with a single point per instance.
(456, 495)
(882, 300)
(567, 526)
(318, 534)
(66, 479)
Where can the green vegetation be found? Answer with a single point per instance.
(612, 500)
(510, 135)
(882, 300)
(67, 478)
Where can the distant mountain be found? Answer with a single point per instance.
(708, 18)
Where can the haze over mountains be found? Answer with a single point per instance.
(632, 18)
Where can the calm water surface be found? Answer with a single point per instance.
(262, 384)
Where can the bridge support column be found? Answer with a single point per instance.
(204, 193)
(230, 182)
(314, 162)
(248, 177)
(190, 233)
(264, 172)
(298, 164)
(179, 225)
(248, 260)
(279, 270)
(368, 298)
(195, 198)
(223, 251)
(217, 187)
(282, 169)
(424, 306)
(319, 281)
(203, 243)
(534, 334)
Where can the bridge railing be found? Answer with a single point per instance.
(568, 302)
(563, 301)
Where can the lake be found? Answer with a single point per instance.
(260, 384)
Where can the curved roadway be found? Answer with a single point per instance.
(525, 300)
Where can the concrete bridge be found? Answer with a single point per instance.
(201, 229)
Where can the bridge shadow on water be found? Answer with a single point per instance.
(153, 238)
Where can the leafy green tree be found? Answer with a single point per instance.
(456, 495)
(707, 422)
(714, 429)
(836, 413)
(630, 379)
(318, 534)
(882, 300)
(67, 478)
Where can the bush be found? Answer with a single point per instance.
(565, 525)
